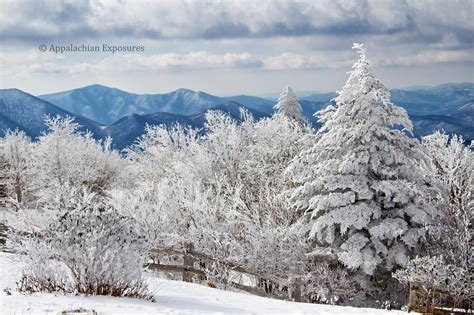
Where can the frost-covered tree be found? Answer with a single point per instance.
(358, 184)
(169, 165)
(16, 153)
(220, 190)
(87, 249)
(160, 147)
(452, 164)
(65, 157)
(449, 259)
(288, 104)
(434, 274)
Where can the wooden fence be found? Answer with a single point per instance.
(194, 265)
(3, 235)
(193, 268)
(430, 301)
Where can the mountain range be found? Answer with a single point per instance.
(20, 110)
(107, 105)
(122, 115)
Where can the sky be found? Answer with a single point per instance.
(232, 47)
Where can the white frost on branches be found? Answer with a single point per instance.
(452, 165)
(359, 183)
(362, 191)
(288, 104)
(433, 273)
(88, 249)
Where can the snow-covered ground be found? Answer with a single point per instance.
(172, 297)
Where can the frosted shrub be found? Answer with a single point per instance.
(434, 274)
(328, 283)
(42, 274)
(276, 252)
(90, 249)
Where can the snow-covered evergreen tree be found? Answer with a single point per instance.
(359, 184)
(288, 104)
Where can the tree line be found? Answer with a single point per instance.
(354, 210)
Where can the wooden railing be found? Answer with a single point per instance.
(431, 301)
(194, 266)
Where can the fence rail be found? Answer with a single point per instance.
(265, 286)
(430, 301)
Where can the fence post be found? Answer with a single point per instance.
(188, 262)
(3, 182)
(412, 298)
(296, 291)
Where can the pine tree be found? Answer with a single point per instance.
(358, 185)
(288, 104)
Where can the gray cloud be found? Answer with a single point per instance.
(203, 61)
(426, 20)
(286, 41)
(199, 60)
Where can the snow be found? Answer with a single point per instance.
(288, 104)
(361, 180)
(172, 297)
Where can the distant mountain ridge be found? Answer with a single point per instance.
(127, 129)
(20, 110)
(106, 105)
(449, 107)
(26, 112)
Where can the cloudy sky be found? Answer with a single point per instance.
(233, 47)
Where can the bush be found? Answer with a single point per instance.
(329, 283)
(433, 275)
(90, 250)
